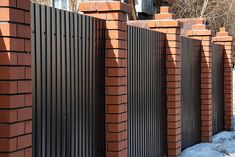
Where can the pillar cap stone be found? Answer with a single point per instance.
(200, 28)
(165, 19)
(222, 35)
(104, 6)
(165, 14)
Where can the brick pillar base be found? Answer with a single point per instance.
(166, 22)
(199, 31)
(15, 79)
(115, 14)
(223, 38)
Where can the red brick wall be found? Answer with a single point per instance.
(115, 14)
(15, 79)
(223, 38)
(166, 22)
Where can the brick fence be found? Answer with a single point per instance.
(16, 85)
(15, 79)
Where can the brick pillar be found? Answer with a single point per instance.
(15, 79)
(166, 22)
(115, 15)
(223, 38)
(199, 31)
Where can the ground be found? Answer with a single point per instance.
(223, 145)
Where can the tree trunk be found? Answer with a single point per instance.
(132, 15)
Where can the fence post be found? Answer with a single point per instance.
(199, 31)
(166, 22)
(115, 14)
(223, 38)
(15, 79)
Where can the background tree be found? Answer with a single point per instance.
(218, 12)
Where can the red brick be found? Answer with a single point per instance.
(116, 146)
(8, 144)
(116, 127)
(120, 90)
(112, 6)
(8, 87)
(120, 16)
(116, 72)
(165, 9)
(8, 58)
(23, 4)
(7, 116)
(12, 130)
(24, 141)
(7, 3)
(116, 53)
(12, 73)
(116, 136)
(28, 100)
(12, 101)
(24, 86)
(16, 15)
(27, 45)
(28, 152)
(24, 59)
(23, 31)
(11, 44)
(115, 34)
(27, 17)
(165, 16)
(118, 118)
(173, 145)
(89, 7)
(24, 114)
(7, 29)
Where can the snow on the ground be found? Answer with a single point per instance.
(223, 145)
(234, 121)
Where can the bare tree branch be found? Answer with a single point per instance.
(218, 12)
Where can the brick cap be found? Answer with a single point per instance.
(165, 13)
(200, 24)
(222, 35)
(200, 28)
(170, 23)
(138, 23)
(104, 6)
(204, 32)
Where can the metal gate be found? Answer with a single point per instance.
(68, 84)
(146, 93)
(217, 88)
(190, 92)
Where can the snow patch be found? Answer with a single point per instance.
(234, 121)
(223, 145)
(223, 137)
(202, 150)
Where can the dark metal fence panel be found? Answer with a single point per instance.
(217, 88)
(147, 126)
(190, 92)
(68, 84)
